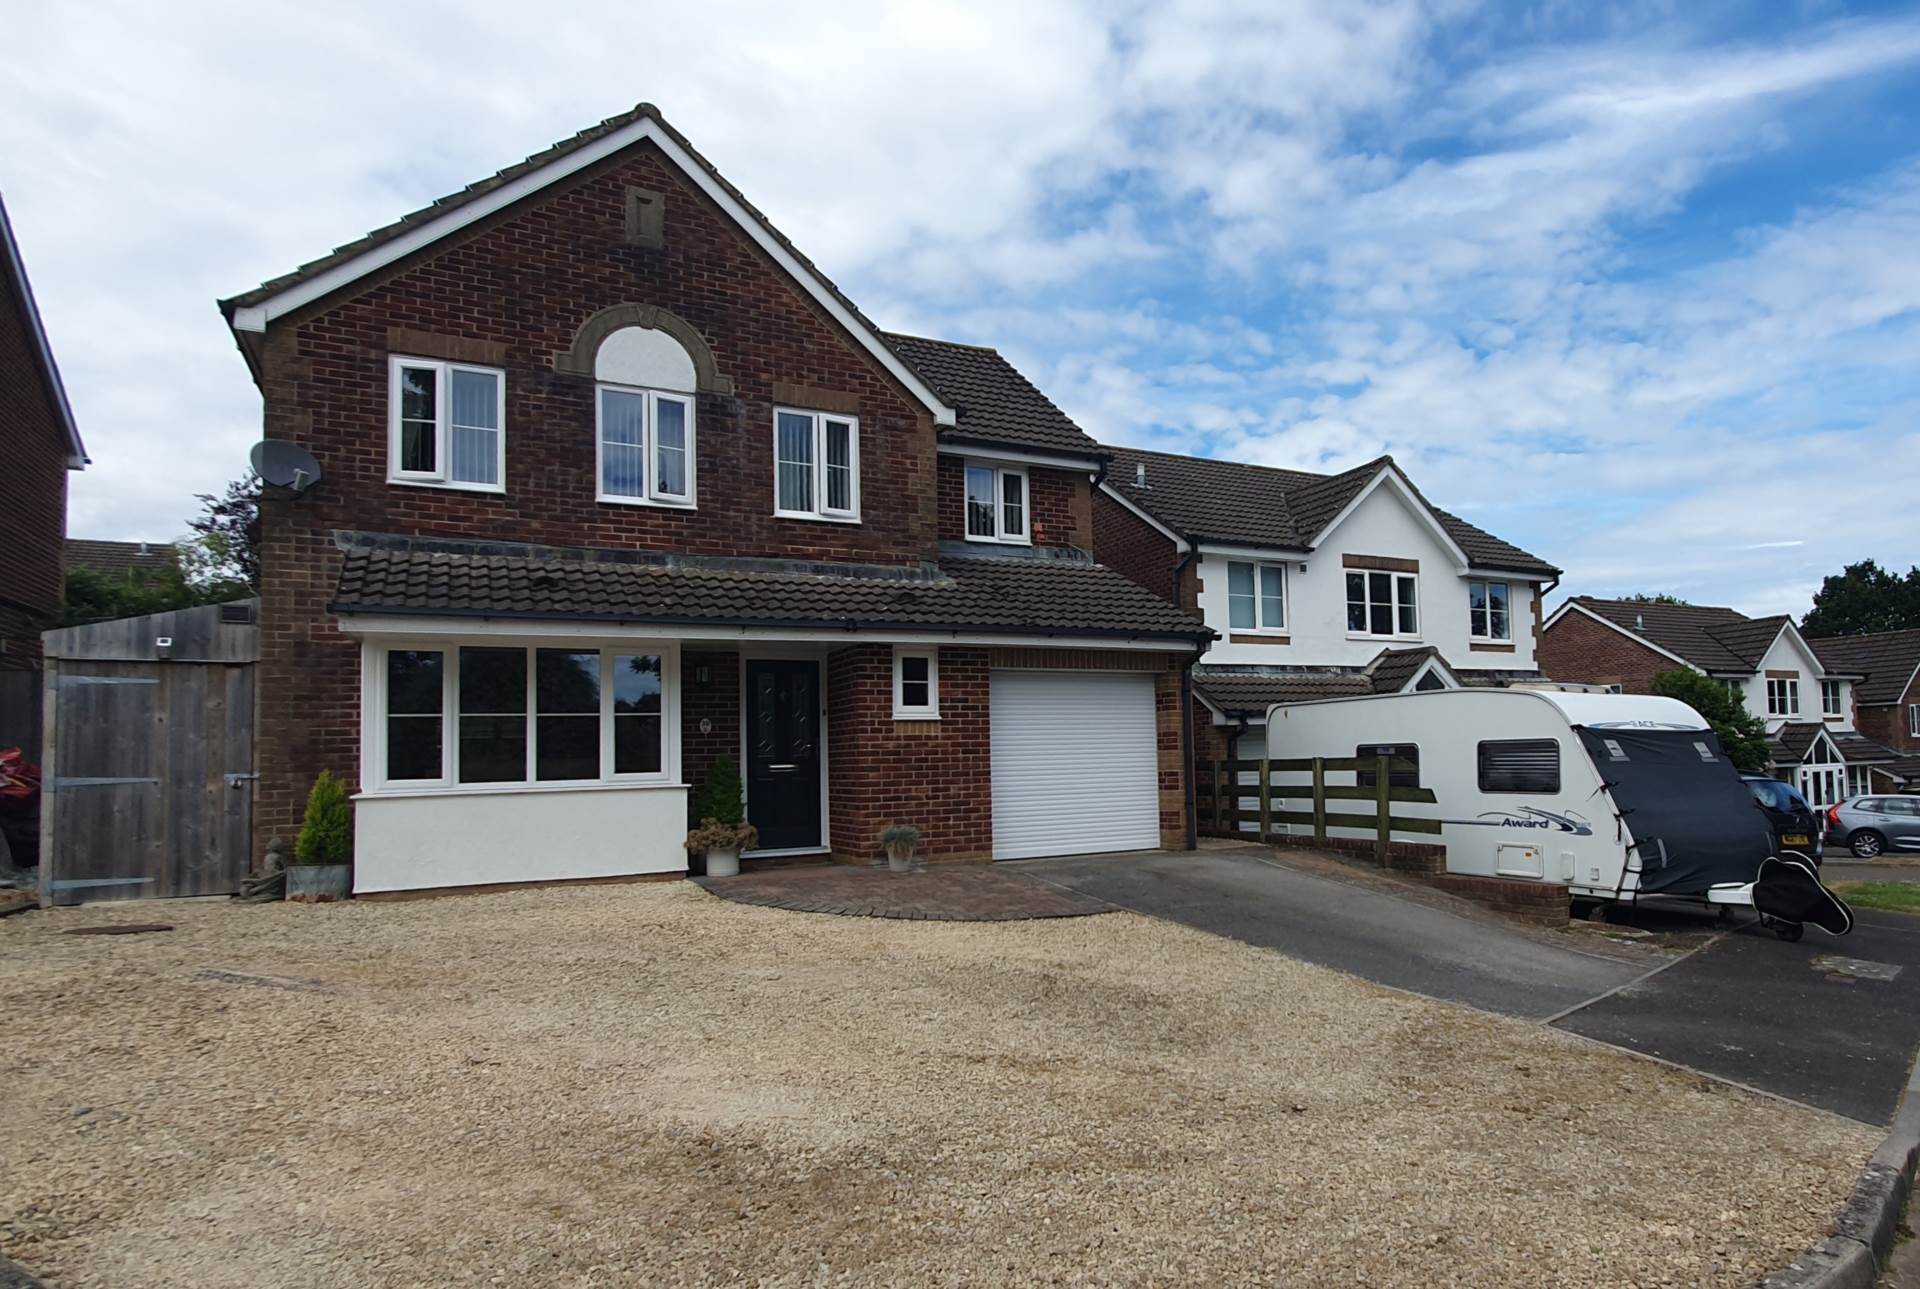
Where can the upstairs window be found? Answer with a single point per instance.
(1256, 597)
(1830, 698)
(1783, 696)
(447, 425)
(644, 419)
(1488, 615)
(816, 465)
(997, 504)
(1382, 604)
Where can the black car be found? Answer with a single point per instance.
(1795, 826)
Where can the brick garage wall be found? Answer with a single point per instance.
(1124, 541)
(513, 292)
(1059, 505)
(935, 775)
(1578, 649)
(716, 700)
(33, 491)
(1887, 723)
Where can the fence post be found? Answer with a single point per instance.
(1266, 786)
(1219, 795)
(1383, 803)
(1319, 801)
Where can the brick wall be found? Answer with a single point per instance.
(1060, 508)
(33, 491)
(1124, 541)
(935, 775)
(1578, 649)
(517, 288)
(717, 701)
(1887, 722)
(1542, 903)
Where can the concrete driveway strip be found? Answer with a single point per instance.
(1829, 1022)
(1352, 928)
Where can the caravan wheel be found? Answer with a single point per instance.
(1789, 931)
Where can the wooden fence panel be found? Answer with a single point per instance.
(1221, 792)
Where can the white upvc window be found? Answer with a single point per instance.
(1256, 596)
(469, 715)
(644, 446)
(1783, 696)
(916, 684)
(816, 465)
(1832, 692)
(1490, 611)
(1913, 719)
(446, 424)
(997, 504)
(1383, 605)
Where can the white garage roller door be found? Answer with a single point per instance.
(1074, 765)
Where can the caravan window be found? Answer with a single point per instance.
(1395, 778)
(1520, 765)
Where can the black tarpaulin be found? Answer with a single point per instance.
(1692, 821)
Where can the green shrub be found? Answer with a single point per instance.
(326, 834)
(1742, 734)
(900, 836)
(720, 795)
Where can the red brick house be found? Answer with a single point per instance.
(1886, 700)
(614, 482)
(39, 444)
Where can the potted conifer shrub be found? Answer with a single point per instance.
(723, 831)
(900, 841)
(322, 867)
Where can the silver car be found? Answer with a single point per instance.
(1872, 826)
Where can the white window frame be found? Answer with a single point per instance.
(1837, 690)
(1789, 696)
(1913, 720)
(1001, 534)
(1419, 603)
(902, 712)
(649, 448)
(1472, 635)
(821, 511)
(1260, 625)
(442, 414)
(373, 738)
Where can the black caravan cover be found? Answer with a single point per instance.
(1694, 823)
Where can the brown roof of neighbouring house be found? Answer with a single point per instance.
(1888, 660)
(996, 404)
(1049, 591)
(1709, 636)
(117, 559)
(1204, 499)
(1246, 690)
(1792, 741)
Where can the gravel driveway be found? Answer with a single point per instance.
(632, 1084)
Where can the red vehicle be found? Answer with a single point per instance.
(19, 809)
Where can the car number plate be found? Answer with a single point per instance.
(1793, 839)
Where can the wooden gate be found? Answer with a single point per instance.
(147, 763)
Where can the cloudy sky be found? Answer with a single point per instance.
(1639, 291)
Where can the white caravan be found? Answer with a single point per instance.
(1617, 795)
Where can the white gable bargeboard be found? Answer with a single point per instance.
(1385, 524)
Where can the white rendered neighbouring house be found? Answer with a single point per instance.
(1319, 586)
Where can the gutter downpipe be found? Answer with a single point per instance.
(1186, 705)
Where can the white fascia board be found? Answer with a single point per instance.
(1271, 554)
(1505, 575)
(374, 258)
(1079, 465)
(382, 624)
(1179, 543)
(1639, 640)
(1412, 499)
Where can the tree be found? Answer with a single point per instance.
(1641, 597)
(228, 540)
(1863, 599)
(1742, 734)
(100, 597)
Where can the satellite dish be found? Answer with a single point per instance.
(284, 465)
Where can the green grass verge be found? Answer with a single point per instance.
(1894, 897)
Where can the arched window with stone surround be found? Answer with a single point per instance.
(644, 418)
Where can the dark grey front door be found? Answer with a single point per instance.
(783, 752)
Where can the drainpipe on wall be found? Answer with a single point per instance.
(1186, 708)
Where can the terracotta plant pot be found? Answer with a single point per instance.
(319, 883)
(723, 863)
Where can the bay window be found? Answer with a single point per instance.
(816, 465)
(645, 446)
(997, 504)
(506, 715)
(1489, 615)
(1382, 604)
(1256, 596)
(446, 425)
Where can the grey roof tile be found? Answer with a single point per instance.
(1709, 636)
(117, 559)
(996, 404)
(1888, 659)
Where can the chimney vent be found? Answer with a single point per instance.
(1140, 474)
(1639, 622)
